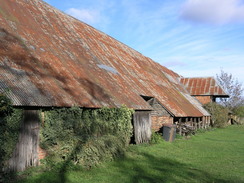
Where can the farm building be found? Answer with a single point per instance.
(204, 89)
(49, 59)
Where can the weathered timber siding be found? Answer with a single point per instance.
(26, 151)
(158, 109)
(142, 126)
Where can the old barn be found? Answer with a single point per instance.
(49, 59)
(204, 89)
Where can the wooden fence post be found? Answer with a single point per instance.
(180, 127)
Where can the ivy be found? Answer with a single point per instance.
(5, 105)
(10, 120)
(86, 136)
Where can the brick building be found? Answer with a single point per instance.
(204, 89)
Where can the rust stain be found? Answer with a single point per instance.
(203, 86)
(65, 62)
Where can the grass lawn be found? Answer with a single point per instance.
(213, 156)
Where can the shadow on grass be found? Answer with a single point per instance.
(157, 170)
(146, 169)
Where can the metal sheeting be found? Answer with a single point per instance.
(203, 86)
(69, 63)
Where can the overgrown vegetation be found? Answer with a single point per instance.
(10, 120)
(84, 136)
(219, 114)
(239, 111)
(214, 156)
(156, 138)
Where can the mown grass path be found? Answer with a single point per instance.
(213, 156)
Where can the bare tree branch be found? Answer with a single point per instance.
(233, 88)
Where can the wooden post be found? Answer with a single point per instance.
(209, 121)
(186, 120)
(195, 123)
(199, 123)
(171, 134)
(203, 122)
(42, 118)
(192, 122)
(180, 127)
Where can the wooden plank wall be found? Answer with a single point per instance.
(142, 126)
(26, 151)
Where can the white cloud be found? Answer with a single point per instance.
(85, 15)
(217, 12)
(197, 66)
(174, 63)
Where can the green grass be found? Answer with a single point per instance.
(213, 156)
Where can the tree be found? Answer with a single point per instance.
(233, 88)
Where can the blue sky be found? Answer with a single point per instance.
(192, 37)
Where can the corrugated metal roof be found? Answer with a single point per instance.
(203, 86)
(48, 58)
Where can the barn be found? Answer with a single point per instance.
(204, 89)
(49, 59)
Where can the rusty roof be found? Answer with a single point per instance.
(203, 86)
(48, 58)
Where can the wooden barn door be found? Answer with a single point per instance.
(142, 126)
(26, 151)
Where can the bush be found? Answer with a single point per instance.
(5, 105)
(86, 136)
(219, 114)
(156, 138)
(239, 111)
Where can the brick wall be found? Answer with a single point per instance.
(159, 116)
(204, 99)
(159, 121)
(41, 153)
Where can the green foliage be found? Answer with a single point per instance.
(156, 138)
(239, 111)
(5, 105)
(219, 114)
(178, 136)
(207, 157)
(10, 120)
(86, 136)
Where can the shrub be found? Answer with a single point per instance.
(239, 111)
(86, 136)
(156, 138)
(219, 114)
(5, 105)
